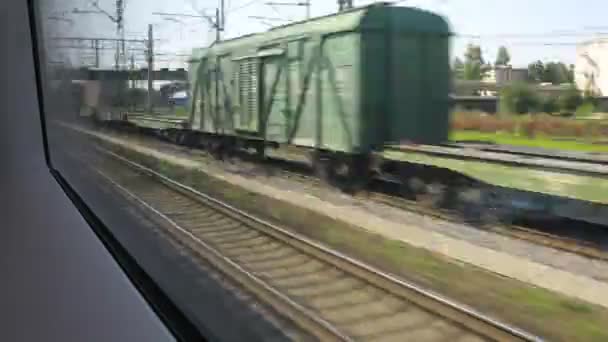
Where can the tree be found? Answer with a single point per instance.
(552, 72)
(502, 57)
(570, 100)
(549, 105)
(458, 68)
(536, 71)
(474, 65)
(571, 74)
(519, 98)
(556, 73)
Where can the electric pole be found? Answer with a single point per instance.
(344, 5)
(96, 47)
(222, 22)
(132, 68)
(301, 4)
(120, 30)
(218, 28)
(150, 58)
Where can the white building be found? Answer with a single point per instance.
(591, 67)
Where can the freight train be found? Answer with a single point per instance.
(340, 87)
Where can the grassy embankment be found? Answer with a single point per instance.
(539, 130)
(542, 312)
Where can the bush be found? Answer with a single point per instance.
(482, 122)
(466, 121)
(590, 97)
(519, 98)
(585, 110)
(570, 100)
(553, 126)
(549, 105)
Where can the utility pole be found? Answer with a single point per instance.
(120, 29)
(150, 56)
(305, 3)
(222, 23)
(132, 69)
(307, 9)
(96, 47)
(344, 5)
(218, 28)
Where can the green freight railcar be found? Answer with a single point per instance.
(345, 84)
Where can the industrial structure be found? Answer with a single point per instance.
(504, 74)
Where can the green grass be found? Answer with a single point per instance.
(587, 188)
(181, 111)
(511, 139)
(542, 312)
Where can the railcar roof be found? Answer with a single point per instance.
(405, 19)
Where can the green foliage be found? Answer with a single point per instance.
(181, 111)
(570, 100)
(549, 105)
(472, 71)
(585, 110)
(502, 57)
(557, 73)
(474, 64)
(590, 97)
(458, 68)
(552, 72)
(519, 98)
(536, 71)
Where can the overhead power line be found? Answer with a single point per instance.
(242, 6)
(305, 3)
(217, 22)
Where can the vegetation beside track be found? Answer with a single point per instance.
(587, 188)
(502, 138)
(545, 313)
(531, 130)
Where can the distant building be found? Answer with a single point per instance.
(591, 60)
(506, 74)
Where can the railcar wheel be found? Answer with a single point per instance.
(354, 173)
(260, 151)
(322, 167)
(182, 139)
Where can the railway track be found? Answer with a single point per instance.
(544, 236)
(566, 244)
(575, 157)
(383, 191)
(576, 166)
(330, 295)
(516, 231)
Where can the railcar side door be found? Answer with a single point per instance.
(246, 115)
(274, 109)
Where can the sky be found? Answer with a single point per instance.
(546, 30)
